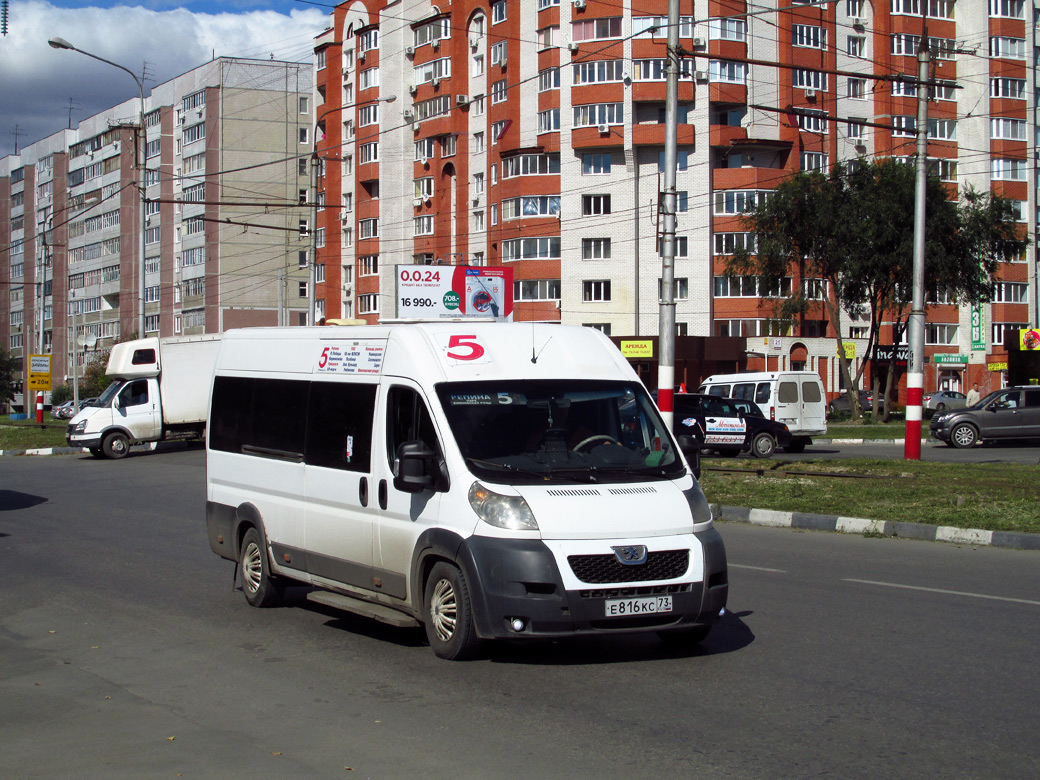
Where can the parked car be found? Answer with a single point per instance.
(1011, 413)
(843, 404)
(941, 400)
(763, 435)
(62, 411)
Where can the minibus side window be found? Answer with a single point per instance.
(339, 426)
(229, 415)
(264, 417)
(408, 419)
(721, 391)
(762, 393)
(746, 391)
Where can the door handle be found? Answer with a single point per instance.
(382, 494)
(363, 491)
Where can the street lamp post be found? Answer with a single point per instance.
(312, 275)
(61, 43)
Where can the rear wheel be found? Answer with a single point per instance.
(763, 446)
(448, 615)
(116, 445)
(259, 588)
(964, 436)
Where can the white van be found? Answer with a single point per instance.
(794, 398)
(488, 480)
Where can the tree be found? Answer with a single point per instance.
(8, 366)
(854, 229)
(94, 379)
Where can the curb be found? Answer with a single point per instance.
(855, 525)
(46, 451)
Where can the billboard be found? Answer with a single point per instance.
(453, 291)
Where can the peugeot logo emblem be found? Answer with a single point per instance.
(630, 554)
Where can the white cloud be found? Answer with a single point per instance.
(38, 81)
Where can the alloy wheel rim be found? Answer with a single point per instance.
(444, 610)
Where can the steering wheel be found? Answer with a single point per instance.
(599, 437)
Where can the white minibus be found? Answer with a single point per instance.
(794, 398)
(485, 480)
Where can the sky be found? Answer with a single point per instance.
(166, 38)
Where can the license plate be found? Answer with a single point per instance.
(643, 606)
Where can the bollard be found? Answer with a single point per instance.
(39, 408)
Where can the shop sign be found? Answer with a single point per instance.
(946, 358)
(637, 349)
(978, 329)
(997, 367)
(884, 354)
(850, 350)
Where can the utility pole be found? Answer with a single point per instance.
(666, 326)
(915, 376)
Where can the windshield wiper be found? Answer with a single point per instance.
(508, 467)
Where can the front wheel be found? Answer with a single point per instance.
(940, 407)
(448, 615)
(964, 436)
(259, 588)
(763, 446)
(115, 446)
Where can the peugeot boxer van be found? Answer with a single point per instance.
(794, 398)
(485, 480)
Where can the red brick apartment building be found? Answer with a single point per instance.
(530, 134)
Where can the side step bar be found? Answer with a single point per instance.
(364, 608)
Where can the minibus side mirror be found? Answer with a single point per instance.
(419, 468)
(688, 444)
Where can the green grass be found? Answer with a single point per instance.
(28, 434)
(990, 496)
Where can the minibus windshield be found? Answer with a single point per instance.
(515, 431)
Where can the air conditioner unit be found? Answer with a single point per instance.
(462, 100)
(344, 214)
(626, 76)
(810, 93)
(474, 42)
(572, 46)
(417, 202)
(604, 129)
(435, 43)
(698, 43)
(408, 114)
(436, 83)
(415, 127)
(344, 70)
(476, 200)
(700, 75)
(360, 56)
(859, 24)
(412, 88)
(579, 5)
(348, 289)
(409, 50)
(429, 200)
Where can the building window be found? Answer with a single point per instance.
(536, 290)
(657, 26)
(369, 78)
(369, 152)
(596, 72)
(548, 79)
(596, 114)
(1008, 9)
(939, 334)
(595, 249)
(449, 144)
(1005, 169)
(592, 205)
(727, 72)
(602, 327)
(810, 79)
(368, 303)
(499, 53)
(856, 45)
(530, 165)
(193, 133)
(424, 225)
(1008, 129)
(1007, 48)
(368, 228)
(368, 115)
(681, 289)
(857, 89)
(597, 163)
(1011, 292)
(549, 120)
(478, 143)
(813, 122)
(809, 36)
(729, 202)
(531, 206)
(727, 30)
(596, 29)
(1014, 89)
(499, 91)
(595, 291)
(498, 11)
(548, 36)
(814, 161)
(728, 243)
(545, 248)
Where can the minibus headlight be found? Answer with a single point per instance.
(78, 427)
(509, 512)
(699, 508)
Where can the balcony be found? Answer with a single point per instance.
(653, 135)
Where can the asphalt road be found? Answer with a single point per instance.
(125, 653)
(1001, 452)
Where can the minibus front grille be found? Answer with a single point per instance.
(660, 565)
(628, 593)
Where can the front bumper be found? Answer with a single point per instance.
(519, 579)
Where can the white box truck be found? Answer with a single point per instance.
(487, 480)
(160, 390)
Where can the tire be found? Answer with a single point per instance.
(96, 452)
(940, 407)
(763, 446)
(685, 636)
(796, 446)
(115, 446)
(728, 452)
(448, 614)
(964, 436)
(258, 586)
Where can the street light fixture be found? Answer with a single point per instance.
(312, 270)
(61, 43)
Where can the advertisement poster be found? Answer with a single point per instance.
(1029, 339)
(430, 292)
(978, 329)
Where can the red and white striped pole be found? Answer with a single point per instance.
(39, 407)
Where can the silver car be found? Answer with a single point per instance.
(942, 400)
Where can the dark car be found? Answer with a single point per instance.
(1011, 413)
(844, 404)
(763, 435)
(714, 422)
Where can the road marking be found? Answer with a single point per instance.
(945, 592)
(756, 568)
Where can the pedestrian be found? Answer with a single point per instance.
(973, 395)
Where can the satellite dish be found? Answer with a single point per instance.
(86, 340)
